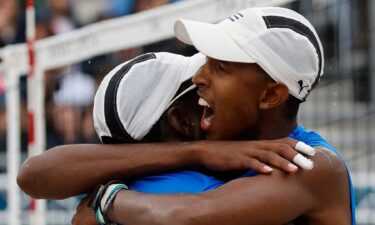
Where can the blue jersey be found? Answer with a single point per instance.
(192, 182)
(182, 181)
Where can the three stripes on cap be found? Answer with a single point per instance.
(235, 17)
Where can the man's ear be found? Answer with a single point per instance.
(274, 95)
(180, 121)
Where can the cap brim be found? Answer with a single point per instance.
(211, 40)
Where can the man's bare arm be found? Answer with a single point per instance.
(68, 170)
(265, 199)
(65, 171)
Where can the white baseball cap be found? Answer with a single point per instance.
(282, 42)
(134, 95)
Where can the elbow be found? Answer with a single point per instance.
(37, 177)
(28, 178)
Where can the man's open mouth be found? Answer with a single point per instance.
(208, 114)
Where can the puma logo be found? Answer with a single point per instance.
(300, 82)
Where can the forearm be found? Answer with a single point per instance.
(69, 170)
(133, 208)
(242, 201)
(210, 208)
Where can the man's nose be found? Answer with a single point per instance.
(200, 78)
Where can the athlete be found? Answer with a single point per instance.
(261, 64)
(140, 101)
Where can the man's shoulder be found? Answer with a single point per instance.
(322, 183)
(328, 167)
(328, 160)
(317, 192)
(328, 183)
(329, 173)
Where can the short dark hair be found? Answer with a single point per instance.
(291, 108)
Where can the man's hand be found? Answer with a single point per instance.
(84, 215)
(257, 155)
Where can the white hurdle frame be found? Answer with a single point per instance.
(13, 147)
(125, 32)
(35, 123)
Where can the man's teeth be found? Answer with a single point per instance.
(203, 102)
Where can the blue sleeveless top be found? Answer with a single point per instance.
(192, 182)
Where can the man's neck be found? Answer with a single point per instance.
(274, 127)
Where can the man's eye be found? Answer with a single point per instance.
(220, 68)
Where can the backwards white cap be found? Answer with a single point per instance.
(279, 40)
(133, 96)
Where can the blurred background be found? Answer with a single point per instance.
(342, 109)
